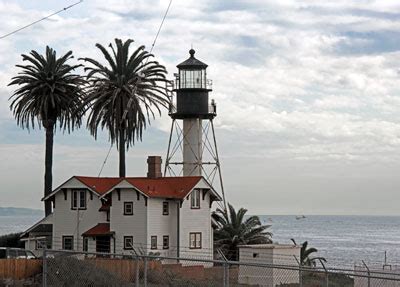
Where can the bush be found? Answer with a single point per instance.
(11, 240)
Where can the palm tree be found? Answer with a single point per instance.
(122, 94)
(233, 229)
(305, 253)
(48, 93)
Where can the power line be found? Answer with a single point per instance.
(105, 160)
(44, 18)
(140, 74)
(159, 29)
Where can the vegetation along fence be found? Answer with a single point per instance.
(68, 268)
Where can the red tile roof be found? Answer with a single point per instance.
(167, 187)
(99, 184)
(99, 229)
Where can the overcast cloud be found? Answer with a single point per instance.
(307, 93)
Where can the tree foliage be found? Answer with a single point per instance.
(233, 229)
(11, 240)
(305, 254)
(124, 93)
(48, 91)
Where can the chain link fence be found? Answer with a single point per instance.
(70, 268)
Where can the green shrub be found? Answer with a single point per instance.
(11, 240)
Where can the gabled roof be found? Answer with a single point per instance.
(99, 229)
(43, 225)
(164, 187)
(99, 184)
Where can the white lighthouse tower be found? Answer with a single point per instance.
(192, 148)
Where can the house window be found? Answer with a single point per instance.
(82, 199)
(128, 208)
(165, 208)
(74, 199)
(85, 244)
(195, 240)
(128, 242)
(40, 243)
(68, 242)
(165, 242)
(195, 199)
(78, 199)
(108, 216)
(154, 242)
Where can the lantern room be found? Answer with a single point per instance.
(192, 88)
(192, 73)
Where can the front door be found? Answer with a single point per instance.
(103, 244)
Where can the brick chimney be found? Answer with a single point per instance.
(154, 167)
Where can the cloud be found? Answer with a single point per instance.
(297, 83)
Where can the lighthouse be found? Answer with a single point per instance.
(192, 147)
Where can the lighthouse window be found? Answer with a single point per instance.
(195, 199)
(192, 79)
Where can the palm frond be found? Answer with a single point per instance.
(233, 229)
(48, 91)
(124, 83)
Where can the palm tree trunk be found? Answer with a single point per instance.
(48, 176)
(122, 168)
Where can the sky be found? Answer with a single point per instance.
(307, 94)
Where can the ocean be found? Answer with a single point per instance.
(12, 224)
(342, 240)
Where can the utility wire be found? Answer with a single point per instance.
(40, 20)
(159, 29)
(105, 160)
(147, 59)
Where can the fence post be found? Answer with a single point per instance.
(368, 272)
(44, 273)
(137, 283)
(300, 272)
(326, 273)
(227, 275)
(226, 269)
(145, 272)
(224, 277)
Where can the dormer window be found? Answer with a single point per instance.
(195, 199)
(78, 199)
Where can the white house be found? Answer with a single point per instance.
(166, 215)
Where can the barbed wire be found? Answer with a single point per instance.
(196, 261)
(206, 253)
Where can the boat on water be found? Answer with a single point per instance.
(300, 217)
